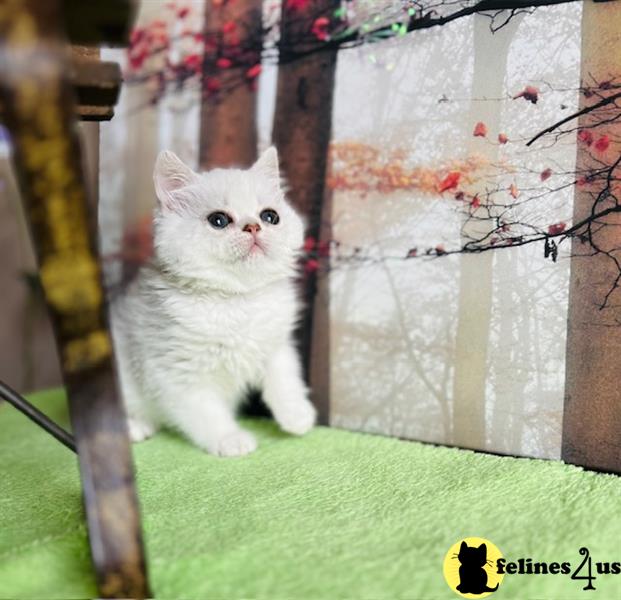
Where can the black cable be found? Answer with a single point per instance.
(34, 414)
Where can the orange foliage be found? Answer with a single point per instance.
(450, 182)
(364, 168)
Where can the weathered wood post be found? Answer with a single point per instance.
(39, 109)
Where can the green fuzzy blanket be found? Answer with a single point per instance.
(330, 515)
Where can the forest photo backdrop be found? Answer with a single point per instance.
(458, 166)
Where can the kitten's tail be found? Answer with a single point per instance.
(488, 589)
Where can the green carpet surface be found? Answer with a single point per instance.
(330, 515)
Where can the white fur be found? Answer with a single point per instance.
(211, 318)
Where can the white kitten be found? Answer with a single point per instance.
(213, 314)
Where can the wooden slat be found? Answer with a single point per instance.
(39, 112)
(94, 22)
(94, 113)
(96, 85)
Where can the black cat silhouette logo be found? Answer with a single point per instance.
(470, 567)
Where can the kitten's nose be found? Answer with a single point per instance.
(252, 228)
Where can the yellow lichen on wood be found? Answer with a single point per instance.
(71, 282)
(83, 353)
(69, 269)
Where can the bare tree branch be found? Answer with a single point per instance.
(584, 111)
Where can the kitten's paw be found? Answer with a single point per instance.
(297, 417)
(238, 443)
(139, 430)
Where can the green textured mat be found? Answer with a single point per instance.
(332, 515)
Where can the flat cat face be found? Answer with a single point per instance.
(231, 228)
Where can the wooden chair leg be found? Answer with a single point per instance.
(38, 109)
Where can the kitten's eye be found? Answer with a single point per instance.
(270, 216)
(219, 220)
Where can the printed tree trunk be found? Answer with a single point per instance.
(228, 128)
(475, 283)
(508, 353)
(138, 197)
(592, 416)
(302, 130)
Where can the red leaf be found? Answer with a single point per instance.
(183, 12)
(556, 228)
(440, 250)
(136, 35)
(546, 174)
(211, 85)
(311, 265)
(475, 203)
(502, 138)
(480, 130)
(529, 93)
(513, 190)
(320, 28)
(309, 244)
(297, 4)
(585, 136)
(229, 27)
(136, 59)
(193, 62)
(602, 144)
(224, 63)
(254, 71)
(412, 252)
(450, 182)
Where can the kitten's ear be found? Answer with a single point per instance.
(267, 164)
(483, 549)
(171, 174)
(463, 546)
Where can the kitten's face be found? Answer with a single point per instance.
(231, 228)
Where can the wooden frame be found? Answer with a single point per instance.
(39, 110)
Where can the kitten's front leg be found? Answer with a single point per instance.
(206, 419)
(286, 394)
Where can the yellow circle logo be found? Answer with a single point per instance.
(470, 567)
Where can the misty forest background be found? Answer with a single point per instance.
(438, 257)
